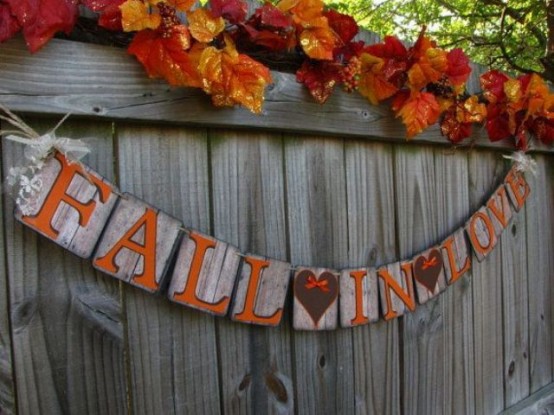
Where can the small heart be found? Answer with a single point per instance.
(316, 294)
(427, 270)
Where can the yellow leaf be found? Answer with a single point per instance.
(430, 67)
(512, 89)
(203, 26)
(471, 111)
(232, 78)
(136, 16)
(303, 11)
(419, 112)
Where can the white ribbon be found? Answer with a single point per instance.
(523, 163)
(26, 179)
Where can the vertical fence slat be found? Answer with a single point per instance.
(457, 354)
(540, 271)
(7, 383)
(417, 229)
(486, 170)
(64, 347)
(515, 308)
(371, 237)
(249, 212)
(316, 195)
(172, 349)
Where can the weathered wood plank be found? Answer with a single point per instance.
(540, 270)
(452, 197)
(66, 321)
(417, 228)
(172, 349)
(486, 171)
(539, 403)
(63, 77)
(317, 221)
(515, 308)
(249, 211)
(7, 382)
(371, 242)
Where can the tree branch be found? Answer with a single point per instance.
(502, 45)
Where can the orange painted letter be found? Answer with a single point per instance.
(406, 297)
(360, 318)
(499, 212)
(247, 314)
(188, 295)
(455, 273)
(147, 249)
(42, 221)
(519, 187)
(483, 250)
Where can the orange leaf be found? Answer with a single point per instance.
(136, 15)
(204, 26)
(318, 41)
(419, 112)
(471, 110)
(165, 56)
(232, 78)
(181, 5)
(430, 68)
(303, 11)
(372, 83)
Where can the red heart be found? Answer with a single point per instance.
(316, 294)
(427, 270)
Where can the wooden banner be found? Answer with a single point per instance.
(137, 243)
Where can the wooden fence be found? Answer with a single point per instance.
(333, 185)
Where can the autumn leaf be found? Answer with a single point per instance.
(459, 118)
(179, 5)
(543, 129)
(271, 16)
(136, 15)
(492, 84)
(41, 20)
(430, 67)
(204, 26)
(318, 41)
(320, 77)
(453, 129)
(304, 12)
(419, 112)
(234, 11)
(164, 55)
(232, 78)
(458, 69)
(372, 83)
(8, 23)
(343, 25)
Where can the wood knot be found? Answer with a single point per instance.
(246, 380)
(277, 387)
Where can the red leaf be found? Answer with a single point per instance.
(458, 67)
(111, 17)
(234, 11)
(344, 26)
(100, 5)
(543, 129)
(498, 124)
(319, 77)
(8, 23)
(42, 19)
(452, 128)
(492, 84)
(271, 16)
(392, 48)
(165, 56)
(265, 38)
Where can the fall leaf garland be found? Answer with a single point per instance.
(197, 47)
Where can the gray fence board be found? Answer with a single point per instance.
(7, 385)
(249, 212)
(371, 241)
(59, 310)
(169, 345)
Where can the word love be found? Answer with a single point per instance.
(135, 242)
